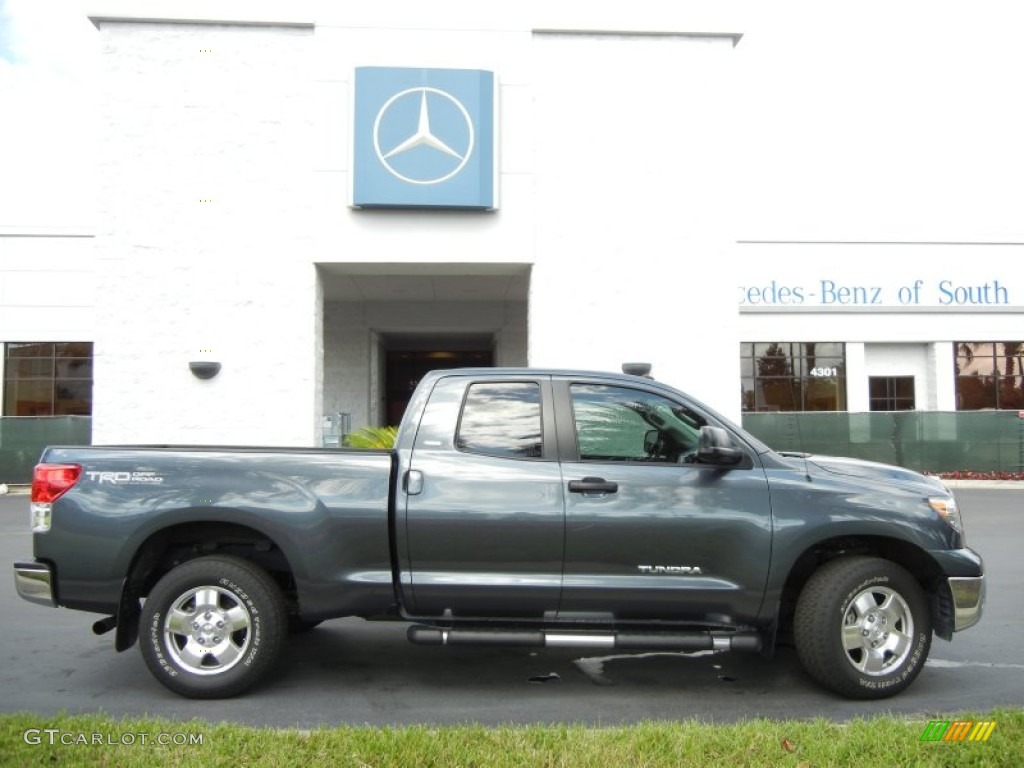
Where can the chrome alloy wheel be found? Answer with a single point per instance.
(207, 630)
(878, 631)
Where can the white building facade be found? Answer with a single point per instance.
(739, 201)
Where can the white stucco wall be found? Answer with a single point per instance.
(205, 235)
(254, 119)
(652, 172)
(634, 158)
(47, 284)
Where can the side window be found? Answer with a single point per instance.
(622, 424)
(501, 419)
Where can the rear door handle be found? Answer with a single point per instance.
(414, 482)
(593, 485)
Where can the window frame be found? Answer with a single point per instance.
(11, 379)
(546, 418)
(799, 379)
(996, 380)
(891, 398)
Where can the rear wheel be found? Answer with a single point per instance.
(863, 627)
(212, 627)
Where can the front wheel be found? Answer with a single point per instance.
(212, 627)
(863, 627)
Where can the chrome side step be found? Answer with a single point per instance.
(679, 641)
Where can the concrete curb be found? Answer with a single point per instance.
(1015, 485)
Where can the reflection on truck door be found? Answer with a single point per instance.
(674, 540)
(484, 509)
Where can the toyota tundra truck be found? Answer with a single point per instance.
(526, 507)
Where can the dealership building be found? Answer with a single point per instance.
(300, 212)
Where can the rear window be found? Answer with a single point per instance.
(501, 419)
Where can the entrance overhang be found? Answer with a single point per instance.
(425, 282)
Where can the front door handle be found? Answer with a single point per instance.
(592, 485)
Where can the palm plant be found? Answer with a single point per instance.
(372, 437)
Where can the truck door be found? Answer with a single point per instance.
(650, 535)
(483, 524)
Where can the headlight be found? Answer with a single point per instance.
(948, 511)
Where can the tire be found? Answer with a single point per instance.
(213, 627)
(863, 627)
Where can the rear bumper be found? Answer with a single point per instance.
(34, 582)
(968, 600)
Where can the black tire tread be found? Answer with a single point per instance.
(273, 614)
(823, 594)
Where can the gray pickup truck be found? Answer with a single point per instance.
(526, 507)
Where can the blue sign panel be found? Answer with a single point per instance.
(423, 138)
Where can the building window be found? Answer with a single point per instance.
(891, 393)
(793, 376)
(43, 378)
(989, 375)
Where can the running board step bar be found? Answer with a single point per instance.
(637, 641)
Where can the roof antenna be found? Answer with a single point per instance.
(799, 432)
(803, 453)
(780, 362)
(637, 369)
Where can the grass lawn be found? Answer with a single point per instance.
(95, 740)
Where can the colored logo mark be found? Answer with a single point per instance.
(958, 730)
(444, 159)
(424, 138)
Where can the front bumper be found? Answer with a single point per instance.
(34, 582)
(968, 599)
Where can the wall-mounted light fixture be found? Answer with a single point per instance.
(204, 369)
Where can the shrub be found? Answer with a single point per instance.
(372, 437)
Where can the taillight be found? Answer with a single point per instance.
(49, 483)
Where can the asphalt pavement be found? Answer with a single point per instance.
(355, 672)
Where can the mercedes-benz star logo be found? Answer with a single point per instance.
(442, 160)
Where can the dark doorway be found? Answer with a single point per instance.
(403, 370)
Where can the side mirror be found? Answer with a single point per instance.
(716, 447)
(651, 440)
